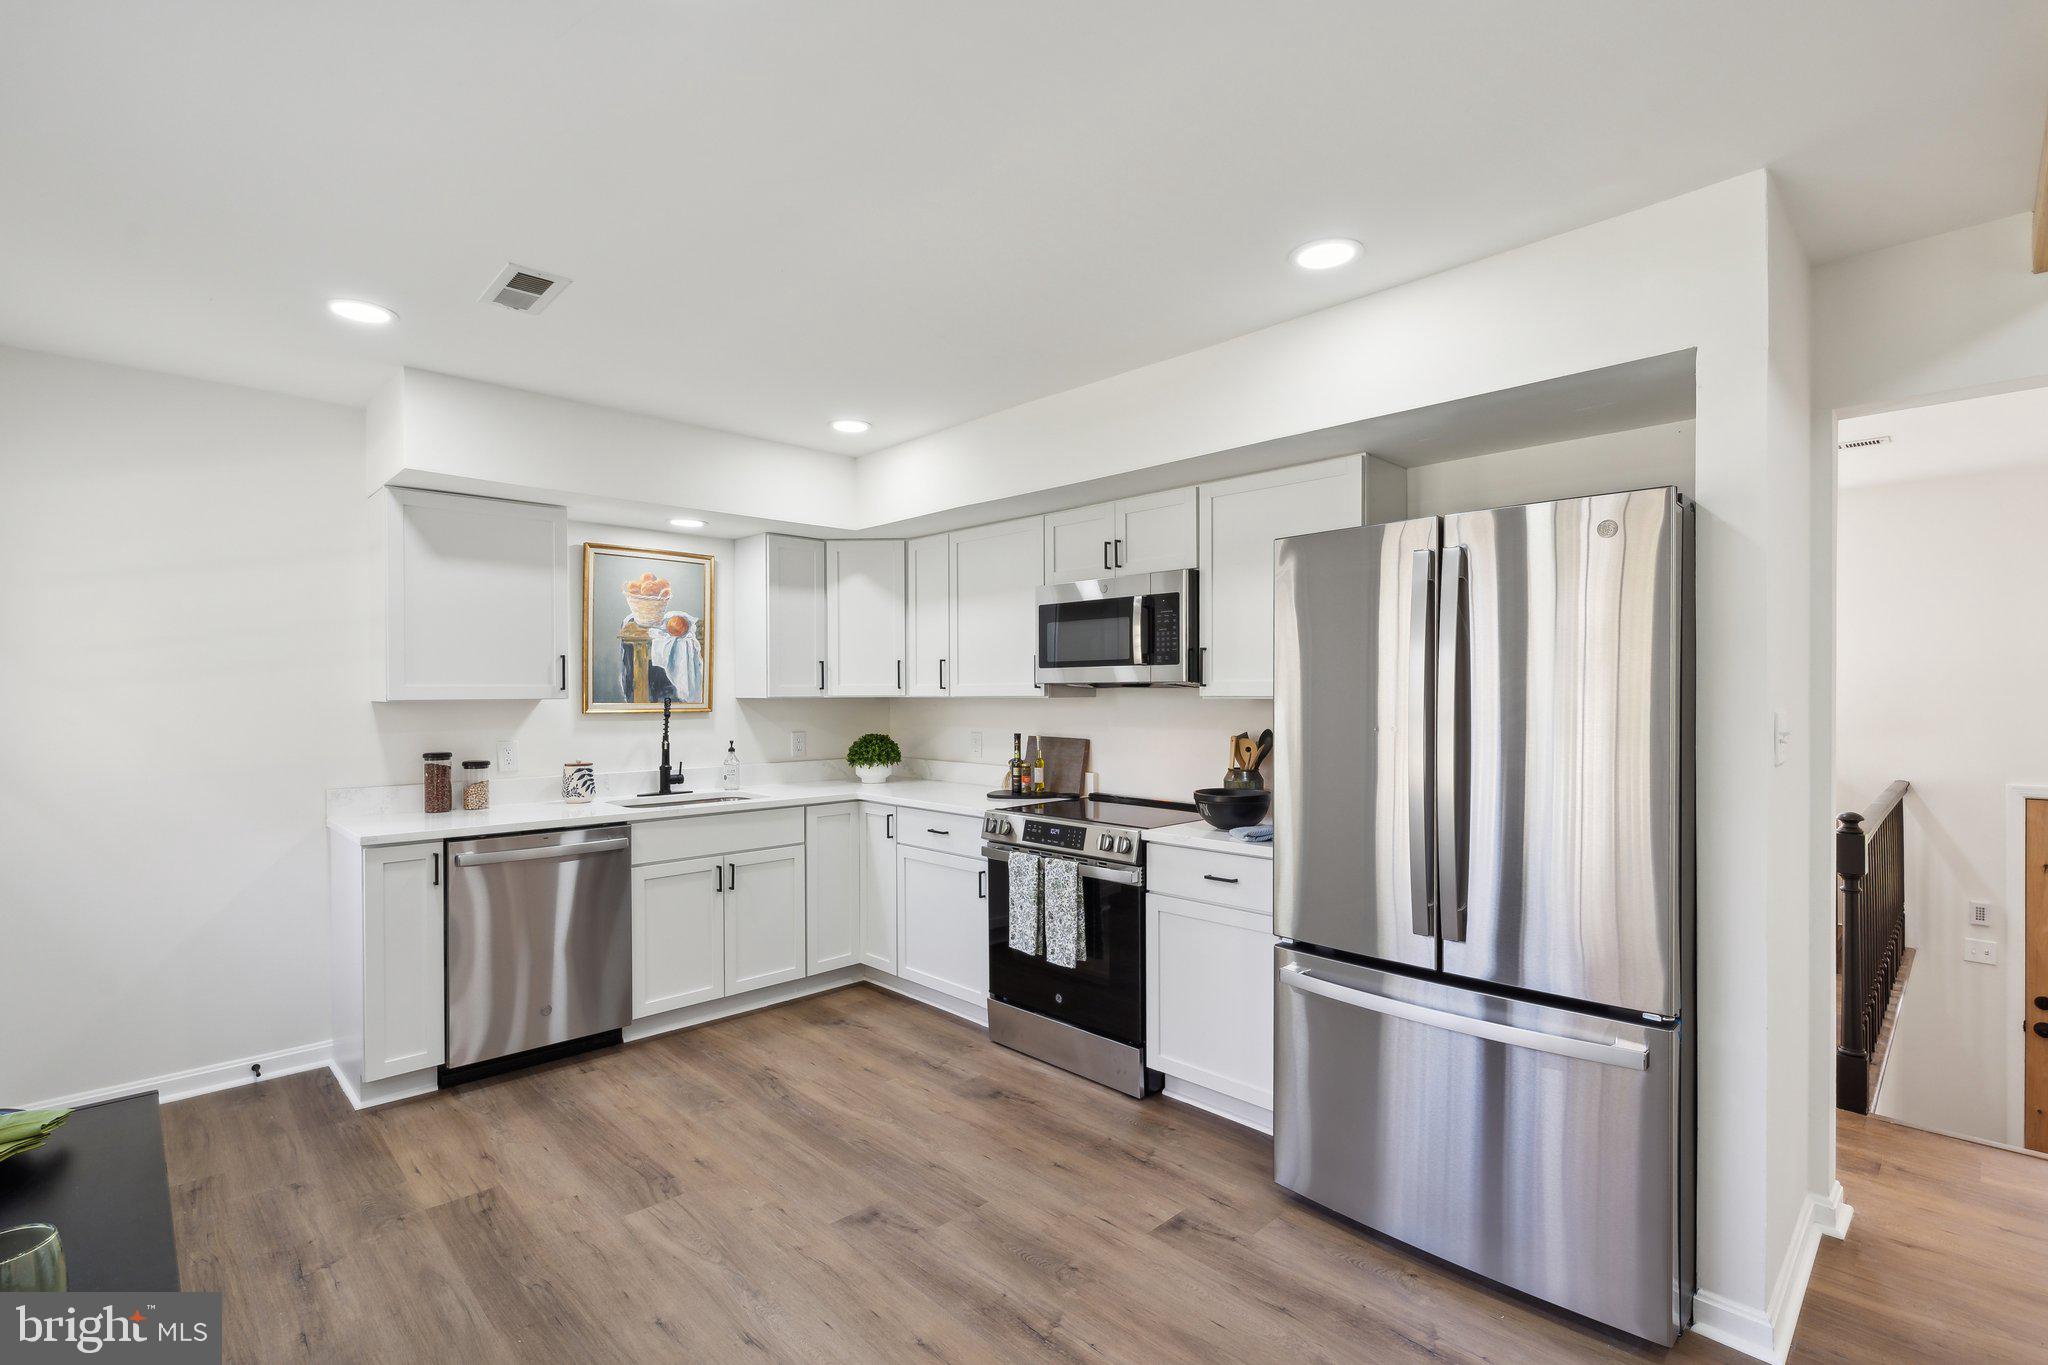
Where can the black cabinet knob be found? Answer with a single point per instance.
(2041, 1030)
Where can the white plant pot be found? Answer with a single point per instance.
(880, 774)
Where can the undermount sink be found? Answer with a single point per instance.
(685, 799)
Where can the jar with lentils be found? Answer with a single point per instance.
(440, 783)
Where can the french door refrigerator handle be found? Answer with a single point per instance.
(1451, 686)
(1629, 1056)
(1422, 583)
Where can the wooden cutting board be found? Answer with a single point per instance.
(1065, 761)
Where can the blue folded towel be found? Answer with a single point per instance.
(1253, 834)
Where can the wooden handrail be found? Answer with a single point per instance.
(1874, 813)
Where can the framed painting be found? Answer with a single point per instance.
(646, 630)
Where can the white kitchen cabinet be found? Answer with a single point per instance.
(403, 985)
(779, 645)
(1239, 521)
(764, 918)
(864, 618)
(1209, 994)
(877, 887)
(476, 598)
(943, 933)
(832, 886)
(678, 934)
(928, 616)
(996, 571)
(1151, 534)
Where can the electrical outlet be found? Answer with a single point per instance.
(508, 757)
(799, 744)
(1980, 914)
(974, 744)
(1980, 950)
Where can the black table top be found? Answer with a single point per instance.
(100, 1181)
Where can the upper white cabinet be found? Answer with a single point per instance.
(864, 609)
(1240, 519)
(779, 642)
(996, 572)
(832, 886)
(1152, 534)
(928, 616)
(402, 982)
(476, 597)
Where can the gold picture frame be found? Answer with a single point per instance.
(633, 680)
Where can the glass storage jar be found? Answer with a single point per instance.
(476, 784)
(440, 783)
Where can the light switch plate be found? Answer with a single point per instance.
(1980, 950)
(799, 743)
(508, 757)
(974, 744)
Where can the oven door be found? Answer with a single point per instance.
(1103, 994)
(1117, 631)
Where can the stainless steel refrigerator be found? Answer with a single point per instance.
(1483, 888)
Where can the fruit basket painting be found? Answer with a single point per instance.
(646, 630)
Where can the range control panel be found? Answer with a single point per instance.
(1047, 835)
(1162, 615)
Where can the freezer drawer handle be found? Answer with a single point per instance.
(1626, 1055)
(527, 855)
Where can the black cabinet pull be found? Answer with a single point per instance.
(1105, 556)
(981, 884)
(821, 675)
(720, 870)
(899, 675)
(888, 826)
(942, 675)
(437, 871)
(1212, 877)
(1119, 554)
(942, 833)
(732, 876)
(565, 671)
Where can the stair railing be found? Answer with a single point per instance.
(1870, 871)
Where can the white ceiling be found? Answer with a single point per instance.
(1981, 435)
(780, 213)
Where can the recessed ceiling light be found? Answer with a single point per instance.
(356, 310)
(1326, 254)
(686, 523)
(852, 426)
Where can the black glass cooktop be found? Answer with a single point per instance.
(1131, 811)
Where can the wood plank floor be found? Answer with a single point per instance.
(856, 1177)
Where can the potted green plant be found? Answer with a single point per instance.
(874, 757)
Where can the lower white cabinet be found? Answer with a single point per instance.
(404, 988)
(678, 934)
(943, 935)
(1209, 995)
(832, 886)
(704, 928)
(764, 918)
(876, 895)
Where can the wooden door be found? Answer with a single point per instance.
(832, 836)
(2037, 977)
(864, 618)
(764, 918)
(678, 934)
(929, 616)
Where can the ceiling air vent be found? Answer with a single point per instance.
(1865, 443)
(523, 290)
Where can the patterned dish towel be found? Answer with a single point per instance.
(1066, 937)
(1026, 928)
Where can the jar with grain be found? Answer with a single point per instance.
(440, 783)
(476, 784)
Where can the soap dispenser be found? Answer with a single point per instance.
(729, 771)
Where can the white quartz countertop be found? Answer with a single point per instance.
(368, 830)
(1207, 837)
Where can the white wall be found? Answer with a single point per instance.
(1941, 678)
(186, 590)
(1643, 458)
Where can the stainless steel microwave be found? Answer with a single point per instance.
(1137, 631)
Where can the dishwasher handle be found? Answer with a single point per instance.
(528, 855)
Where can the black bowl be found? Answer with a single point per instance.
(1233, 807)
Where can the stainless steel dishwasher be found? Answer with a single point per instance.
(540, 933)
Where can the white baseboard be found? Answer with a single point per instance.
(202, 1080)
(925, 995)
(370, 1094)
(1220, 1104)
(745, 1003)
(1768, 1335)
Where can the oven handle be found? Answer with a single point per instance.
(1122, 876)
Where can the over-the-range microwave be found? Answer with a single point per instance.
(1136, 631)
